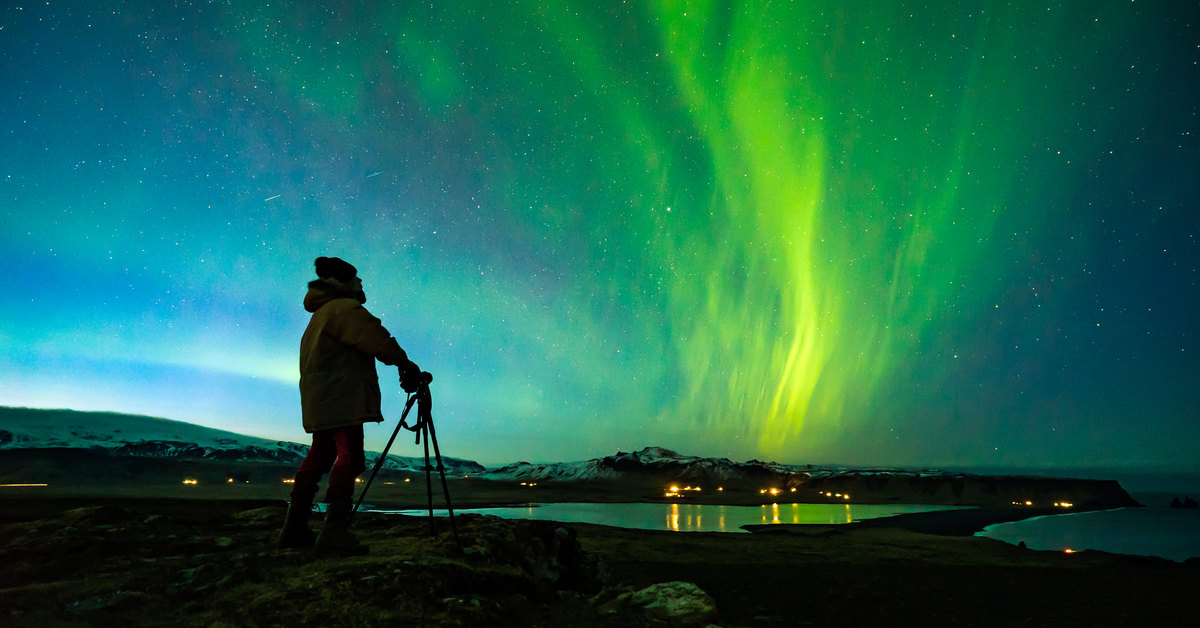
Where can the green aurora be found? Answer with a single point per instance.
(812, 231)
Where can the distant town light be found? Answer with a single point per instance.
(289, 481)
(189, 481)
(1068, 551)
(11, 485)
(793, 489)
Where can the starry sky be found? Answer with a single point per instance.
(955, 234)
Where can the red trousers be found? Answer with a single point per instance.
(338, 452)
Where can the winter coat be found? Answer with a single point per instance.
(338, 383)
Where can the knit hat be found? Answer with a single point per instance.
(336, 268)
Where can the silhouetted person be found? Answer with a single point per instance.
(339, 391)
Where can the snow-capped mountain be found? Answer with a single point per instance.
(651, 461)
(151, 437)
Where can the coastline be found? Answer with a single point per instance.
(962, 522)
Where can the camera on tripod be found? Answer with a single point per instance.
(416, 384)
(414, 380)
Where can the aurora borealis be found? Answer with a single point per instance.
(923, 234)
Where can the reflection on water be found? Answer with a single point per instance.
(831, 514)
(827, 514)
(1167, 532)
(695, 517)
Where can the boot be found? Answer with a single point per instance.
(295, 532)
(336, 537)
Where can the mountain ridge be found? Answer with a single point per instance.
(653, 470)
(131, 435)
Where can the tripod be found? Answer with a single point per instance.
(424, 425)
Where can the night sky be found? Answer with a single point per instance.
(955, 234)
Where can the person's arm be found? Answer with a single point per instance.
(366, 333)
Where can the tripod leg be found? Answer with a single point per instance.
(428, 480)
(432, 436)
(382, 457)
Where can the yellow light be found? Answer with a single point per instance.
(8, 485)
(763, 491)
(793, 490)
(289, 481)
(674, 488)
(720, 488)
(230, 480)
(359, 480)
(1068, 551)
(1028, 503)
(406, 479)
(846, 496)
(189, 481)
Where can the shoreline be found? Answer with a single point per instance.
(956, 522)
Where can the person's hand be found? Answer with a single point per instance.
(412, 380)
(410, 369)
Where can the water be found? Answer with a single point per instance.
(1156, 531)
(693, 517)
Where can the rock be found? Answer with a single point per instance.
(545, 550)
(117, 599)
(1175, 503)
(681, 604)
(258, 514)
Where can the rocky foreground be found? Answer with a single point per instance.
(209, 563)
(108, 565)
